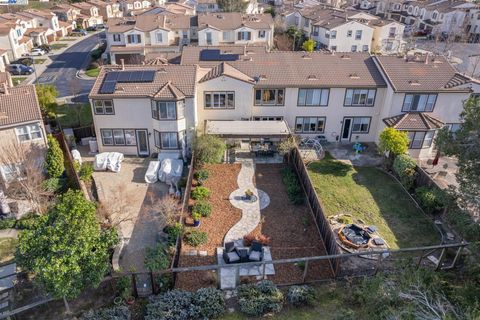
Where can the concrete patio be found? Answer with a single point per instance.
(345, 153)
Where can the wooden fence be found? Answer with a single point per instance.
(316, 208)
(69, 167)
(83, 132)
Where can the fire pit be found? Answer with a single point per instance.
(354, 236)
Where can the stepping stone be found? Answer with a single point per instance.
(202, 253)
(433, 259)
(191, 252)
(450, 236)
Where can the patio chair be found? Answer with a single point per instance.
(256, 251)
(229, 253)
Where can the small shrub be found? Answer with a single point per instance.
(294, 190)
(54, 185)
(200, 193)
(124, 287)
(404, 166)
(7, 223)
(157, 258)
(463, 223)
(54, 158)
(164, 282)
(76, 165)
(175, 230)
(172, 305)
(201, 175)
(196, 216)
(259, 299)
(211, 303)
(301, 296)
(202, 207)
(209, 149)
(196, 238)
(431, 199)
(345, 219)
(27, 222)
(86, 172)
(113, 313)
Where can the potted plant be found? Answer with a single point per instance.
(248, 194)
(196, 219)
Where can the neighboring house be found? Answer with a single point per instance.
(20, 124)
(89, 14)
(131, 38)
(46, 23)
(473, 26)
(225, 28)
(129, 6)
(387, 36)
(4, 61)
(203, 6)
(170, 8)
(107, 9)
(424, 94)
(69, 15)
(332, 29)
(13, 37)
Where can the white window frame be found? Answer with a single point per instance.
(420, 139)
(304, 124)
(354, 97)
(262, 34)
(169, 112)
(277, 101)
(219, 100)
(159, 37)
(29, 132)
(361, 122)
(103, 107)
(358, 34)
(313, 97)
(117, 37)
(244, 36)
(163, 140)
(425, 102)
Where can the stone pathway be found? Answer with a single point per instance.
(250, 210)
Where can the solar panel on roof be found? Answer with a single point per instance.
(108, 87)
(124, 76)
(229, 57)
(136, 76)
(148, 76)
(111, 76)
(209, 55)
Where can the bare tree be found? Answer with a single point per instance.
(116, 209)
(169, 210)
(474, 60)
(26, 180)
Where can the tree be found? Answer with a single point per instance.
(47, 97)
(209, 149)
(393, 141)
(294, 33)
(67, 251)
(309, 45)
(465, 146)
(54, 162)
(233, 5)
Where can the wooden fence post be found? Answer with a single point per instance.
(420, 259)
(440, 259)
(305, 271)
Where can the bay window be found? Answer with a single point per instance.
(359, 97)
(313, 97)
(220, 100)
(420, 139)
(269, 97)
(166, 140)
(419, 102)
(361, 125)
(310, 124)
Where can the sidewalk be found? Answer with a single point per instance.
(40, 68)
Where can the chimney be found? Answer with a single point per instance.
(426, 58)
(122, 61)
(244, 50)
(9, 80)
(5, 88)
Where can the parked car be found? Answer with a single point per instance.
(79, 32)
(45, 47)
(100, 26)
(26, 61)
(37, 52)
(19, 69)
(92, 28)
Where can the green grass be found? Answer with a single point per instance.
(74, 115)
(68, 39)
(93, 72)
(7, 249)
(18, 80)
(374, 197)
(57, 46)
(39, 61)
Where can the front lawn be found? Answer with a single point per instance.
(39, 61)
(57, 46)
(18, 80)
(7, 249)
(74, 115)
(375, 198)
(93, 72)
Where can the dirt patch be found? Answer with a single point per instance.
(283, 42)
(222, 182)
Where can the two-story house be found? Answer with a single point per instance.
(21, 128)
(107, 9)
(13, 37)
(170, 8)
(131, 38)
(68, 15)
(130, 6)
(89, 14)
(4, 61)
(424, 94)
(225, 28)
(473, 26)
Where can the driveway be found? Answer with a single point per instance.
(62, 71)
(133, 205)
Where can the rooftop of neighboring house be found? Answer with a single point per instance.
(83, 5)
(35, 30)
(445, 6)
(62, 7)
(148, 23)
(37, 13)
(234, 20)
(329, 18)
(383, 22)
(168, 81)
(162, 58)
(98, 3)
(206, 1)
(18, 105)
(422, 74)
(6, 27)
(4, 76)
(191, 54)
(294, 68)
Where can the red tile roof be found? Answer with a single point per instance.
(19, 105)
(413, 121)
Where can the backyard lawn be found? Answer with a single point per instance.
(74, 115)
(93, 72)
(375, 198)
(7, 249)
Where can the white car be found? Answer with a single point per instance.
(37, 52)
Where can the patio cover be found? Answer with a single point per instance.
(241, 128)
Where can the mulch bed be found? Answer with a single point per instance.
(222, 182)
(291, 228)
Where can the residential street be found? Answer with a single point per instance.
(64, 67)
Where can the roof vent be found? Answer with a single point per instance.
(219, 16)
(345, 57)
(414, 82)
(354, 76)
(312, 77)
(248, 59)
(306, 56)
(262, 77)
(162, 70)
